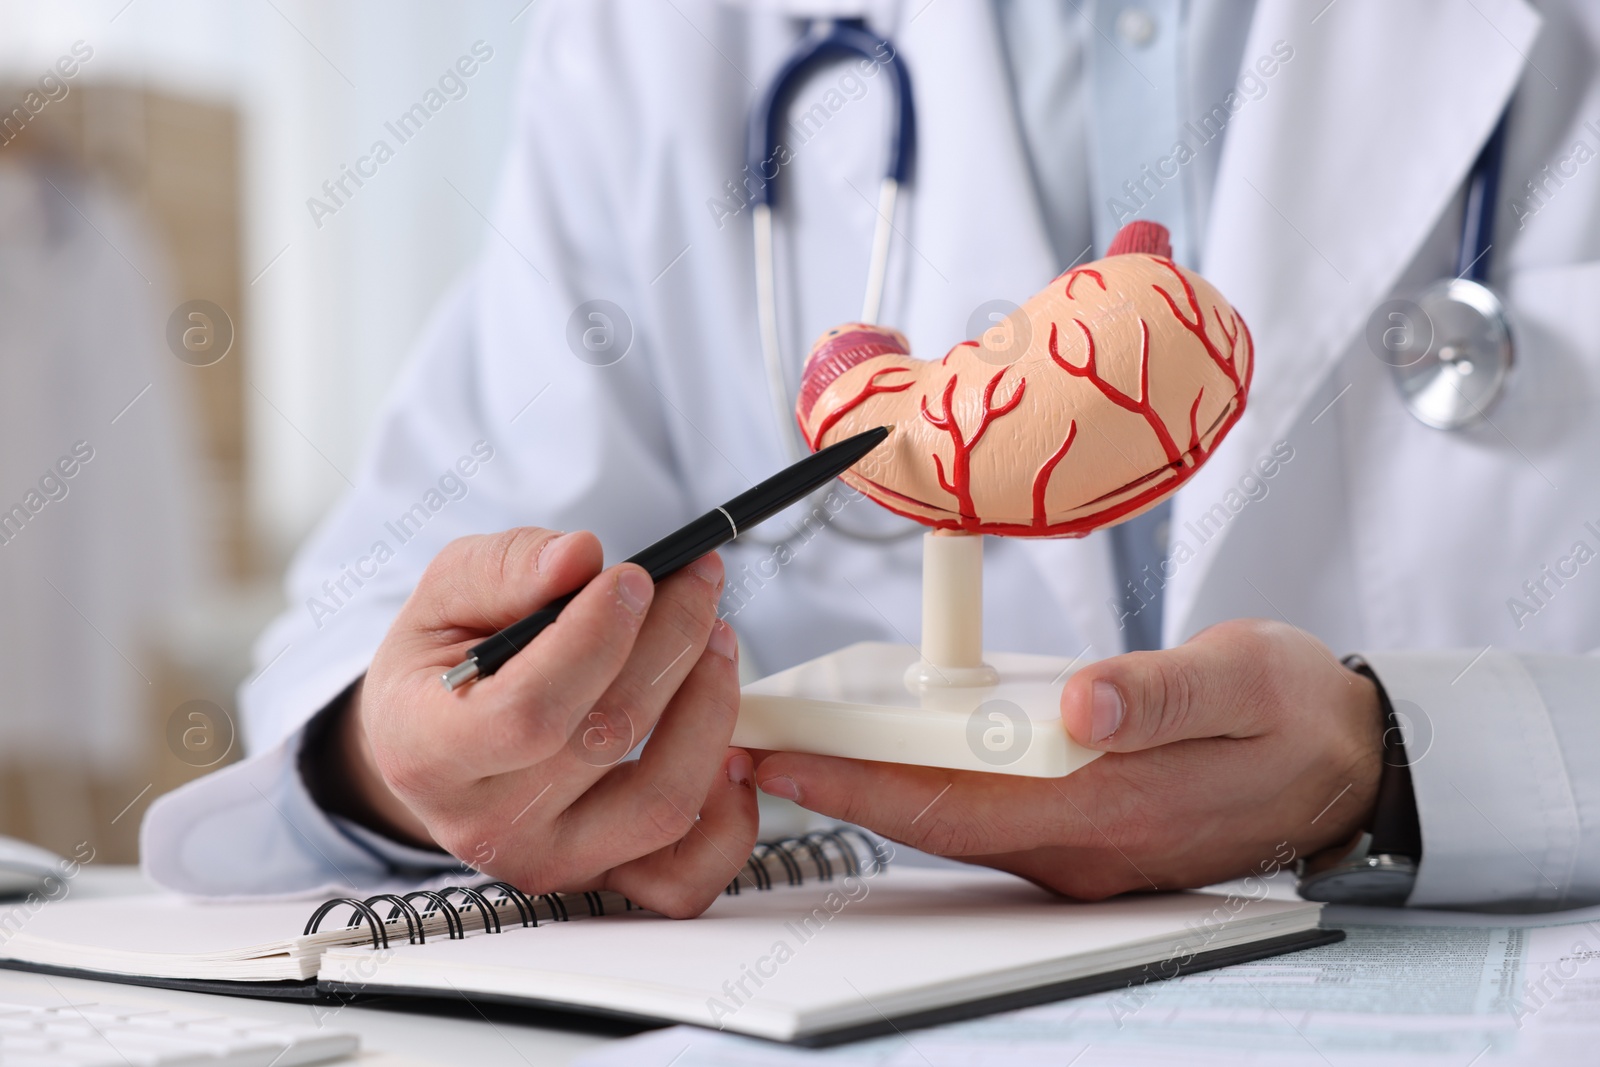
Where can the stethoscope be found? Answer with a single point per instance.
(826, 40)
(1451, 359)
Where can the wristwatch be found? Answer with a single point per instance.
(1380, 865)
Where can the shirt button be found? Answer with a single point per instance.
(1136, 27)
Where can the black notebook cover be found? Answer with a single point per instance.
(305, 990)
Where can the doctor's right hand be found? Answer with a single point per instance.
(521, 775)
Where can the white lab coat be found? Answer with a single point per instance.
(1338, 187)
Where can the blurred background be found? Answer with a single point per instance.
(201, 308)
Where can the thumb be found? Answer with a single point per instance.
(1144, 699)
(486, 582)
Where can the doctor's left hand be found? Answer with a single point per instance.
(1233, 754)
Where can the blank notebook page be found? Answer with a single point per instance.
(169, 937)
(824, 955)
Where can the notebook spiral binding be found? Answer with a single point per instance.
(820, 855)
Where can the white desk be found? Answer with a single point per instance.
(388, 1038)
(1408, 988)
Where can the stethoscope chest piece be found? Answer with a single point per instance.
(1453, 363)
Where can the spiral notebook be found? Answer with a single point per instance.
(817, 941)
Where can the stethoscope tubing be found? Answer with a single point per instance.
(1478, 218)
(827, 40)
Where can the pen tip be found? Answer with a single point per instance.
(859, 444)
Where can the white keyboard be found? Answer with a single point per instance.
(92, 1034)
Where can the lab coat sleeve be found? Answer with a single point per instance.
(1505, 764)
(254, 830)
(504, 417)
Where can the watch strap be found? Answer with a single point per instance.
(1395, 827)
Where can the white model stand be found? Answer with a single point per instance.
(948, 706)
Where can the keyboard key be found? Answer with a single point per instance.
(90, 1034)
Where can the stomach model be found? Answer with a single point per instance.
(1095, 401)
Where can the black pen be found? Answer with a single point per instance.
(679, 549)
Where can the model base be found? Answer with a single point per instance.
(856, 702)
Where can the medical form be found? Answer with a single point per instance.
(1413, 988)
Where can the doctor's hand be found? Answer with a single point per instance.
(521, 774)
(1233, 754)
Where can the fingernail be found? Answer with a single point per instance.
(741, 769)
(634, 589)
(723, 641)
(538, 561)
(1108, 710)
(781, 786)
(708, 569)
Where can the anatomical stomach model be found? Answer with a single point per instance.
(1105, 393)
(1102, 395)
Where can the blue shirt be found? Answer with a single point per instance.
(1106, 91)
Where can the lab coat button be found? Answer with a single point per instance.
(1136, 27)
